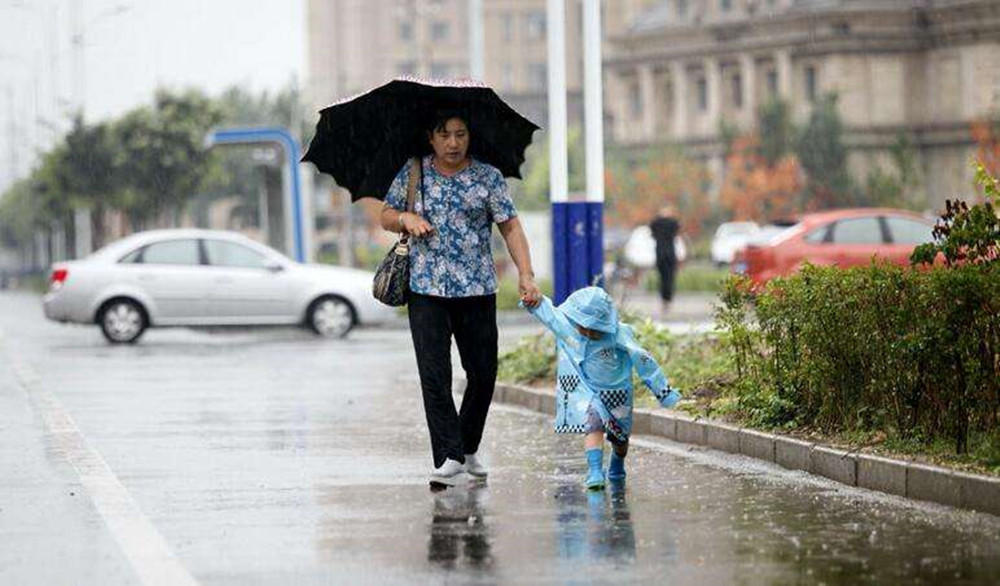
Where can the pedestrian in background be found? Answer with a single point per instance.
(594, 394)
(665, 228)
(453, 286)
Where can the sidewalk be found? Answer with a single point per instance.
(894, 476)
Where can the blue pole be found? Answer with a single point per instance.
(282, 137)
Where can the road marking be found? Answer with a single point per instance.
(146, 550)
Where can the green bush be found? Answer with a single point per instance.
(911, 353)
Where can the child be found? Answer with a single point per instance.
(594, 376)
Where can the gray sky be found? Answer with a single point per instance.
(210, 44)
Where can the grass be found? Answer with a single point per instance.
(702, 368)
(692, 277)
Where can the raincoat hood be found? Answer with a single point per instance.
(592, 308)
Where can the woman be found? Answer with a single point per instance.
(453, 286)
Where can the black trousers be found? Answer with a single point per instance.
(473, 323)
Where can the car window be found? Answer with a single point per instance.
(857, 231)
(172, 252)
(817, 235)
(904, 231)
(230, 254)
(132, 257)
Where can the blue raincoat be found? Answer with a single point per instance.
(598, 373)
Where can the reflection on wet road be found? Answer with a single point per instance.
(267, 456)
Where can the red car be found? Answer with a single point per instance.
(844, 238)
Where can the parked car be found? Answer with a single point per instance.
(205, 278)
(731, 237)
(844, 238)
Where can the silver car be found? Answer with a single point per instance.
(205, 278)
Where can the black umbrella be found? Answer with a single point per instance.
(365, 140)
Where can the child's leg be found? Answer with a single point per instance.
(616, 468)
(593, 443)
(594, 440)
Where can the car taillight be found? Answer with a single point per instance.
(58, 277)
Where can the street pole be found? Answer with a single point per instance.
(562, 230)
(558, 155)
(593, 104)
(593, 99)
(476, 46)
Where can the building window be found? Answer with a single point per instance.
(810, 81)
(737, 89)
(634, 99)
(772, 83)
(702, 85)
(534, 25)
(725, 5)
(406, 31)
(440, 30)
(538, 76)
(507, 26)
(682, 8)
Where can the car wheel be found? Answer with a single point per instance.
(331, 317)
(122, 321)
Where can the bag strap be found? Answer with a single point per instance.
(416, 174)
(414, 179)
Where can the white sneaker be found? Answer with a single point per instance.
(475, 466)
(451, 473)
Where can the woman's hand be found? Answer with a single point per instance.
(528, 290)
(415, 225)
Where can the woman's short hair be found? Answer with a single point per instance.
(440, 117)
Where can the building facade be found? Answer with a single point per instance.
(357, 44)
(926, 70)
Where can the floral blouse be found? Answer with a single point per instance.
(456, 260)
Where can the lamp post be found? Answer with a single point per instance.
(577, 226)
(78, 40)
(476, 49)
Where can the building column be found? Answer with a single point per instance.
(713, 83)
(748, 83)
(647, 93)
(783, 66)
(679, 78)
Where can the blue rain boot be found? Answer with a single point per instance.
(595, 477)
(616, 468)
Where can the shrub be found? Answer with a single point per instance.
(914, 353)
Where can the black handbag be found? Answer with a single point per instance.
(391, 285)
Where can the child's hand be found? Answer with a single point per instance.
(528, 291)
(670, 399)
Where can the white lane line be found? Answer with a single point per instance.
(146, 550)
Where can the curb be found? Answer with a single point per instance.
(897, 477)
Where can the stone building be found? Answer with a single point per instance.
(357, 44)
(923, 69)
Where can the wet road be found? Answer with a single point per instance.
(271, 457)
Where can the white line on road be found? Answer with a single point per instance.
(146, 550)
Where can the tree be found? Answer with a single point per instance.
(986, 133)
(775, 131)
(636, 190)
(890, 188)
(756, 189)
(163, 161)
(85, 171)
(533, 192)
(821, 151)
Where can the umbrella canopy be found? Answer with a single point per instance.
(364, 141)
